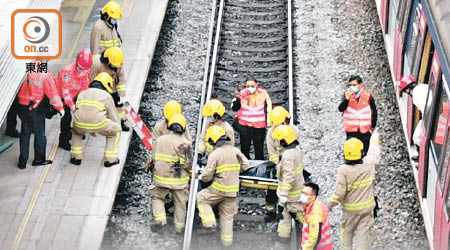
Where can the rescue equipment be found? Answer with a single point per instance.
(138, 125)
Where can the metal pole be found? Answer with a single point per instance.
(200, 127)
(290, 63)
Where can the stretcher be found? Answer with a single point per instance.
(260, 175)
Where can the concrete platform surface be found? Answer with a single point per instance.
(63, 206)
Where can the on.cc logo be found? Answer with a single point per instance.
(36, 29)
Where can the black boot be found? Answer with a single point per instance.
(125, 128)
(206, 230)
(22, 165)
(64, 145)
(109, 164)
(75, 161)
(40, 162)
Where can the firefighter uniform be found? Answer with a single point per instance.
(173, 160)
(316, 232)
(32, 113)
(290, 178)
(274, 148)
(223, 167)
(161, 129)
(119, 86)
(95, 113)
(104, 33)
(70, 82)
(354, 189)
(206, 148)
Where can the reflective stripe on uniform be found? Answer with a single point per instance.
(205, 218)
(299, 169)
(100, 106)
(113, 153)
(169, 158)
(273, 157)
(122, 115)
(225, 188)
(76, 150)
(284, 229)
(227, 237)
(359, 205)
(171, 181)
(120, 87)
(159, 216)
(110, 43)
(286, 186)
(38, 83)
(361, 183)
(294, 194)
(333, 199)
(85, 125)
(228, 167)
(179, 225)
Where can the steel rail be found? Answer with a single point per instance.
(205, 90)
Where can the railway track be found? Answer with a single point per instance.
(246, 39)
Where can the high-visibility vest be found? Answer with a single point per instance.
(252, 112)
(35, 86)
(358, 115)
(442, 124)
(324, 240)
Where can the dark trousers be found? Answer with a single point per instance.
(255, 135)
(65, 131)
(11, 117)
(365, 138)
(32, 121)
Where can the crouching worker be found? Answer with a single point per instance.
(316, 233)
(172, 155)
(224, 164)
(290, 179)
(95, 112)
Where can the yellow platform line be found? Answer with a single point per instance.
(37, 192)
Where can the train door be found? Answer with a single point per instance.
(437, 111)
(442, 225)
(384, 15)
(400, 33)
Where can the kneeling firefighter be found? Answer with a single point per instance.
(172, 156)
(223, 167)
(95, 113)
(290, 177)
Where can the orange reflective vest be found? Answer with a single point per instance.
(442, 124)
(35, 86)
(358, 115)
(252, 112)
(317, 216)
(70, 82)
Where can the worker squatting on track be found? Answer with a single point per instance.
(225, 163)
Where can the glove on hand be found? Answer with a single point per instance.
(282, 200)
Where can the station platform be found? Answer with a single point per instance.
(62, 206)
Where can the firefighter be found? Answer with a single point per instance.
(32, 112)
(290, 178)
(278, 116)
(71, 80)
(161, 128)
(224, 164)
(111, 62)
(354, 189)
(104, 34)
(360, 111)
(95, 113)
(253, 105)
(316, 232)
(214, 111)
(172, 162)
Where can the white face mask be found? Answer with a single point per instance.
(251, 89)
(113, 21)
(354, 89)
(303, 198)
(210, 119)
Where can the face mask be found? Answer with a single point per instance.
(303, 198)
(354, 89)
(251, 89)
(210, 119)
(112, 21)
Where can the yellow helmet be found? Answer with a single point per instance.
(278, 115)
(113, 10)
(353, 149)
(171, 108)
(106, 81)
(115, 56)
(284, 132)
(214, 133)
(178, 119)
(212, 107)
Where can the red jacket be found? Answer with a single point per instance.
(35, 86)
(70, 83)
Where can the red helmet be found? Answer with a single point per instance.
(405, 82)
(84, 59)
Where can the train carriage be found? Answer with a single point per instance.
(417, 38)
